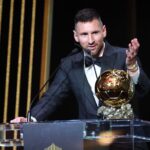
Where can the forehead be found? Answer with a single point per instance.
(86, 26)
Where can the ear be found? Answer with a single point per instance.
(104, 31)
(75, 36)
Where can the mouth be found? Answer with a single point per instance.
(92, 48)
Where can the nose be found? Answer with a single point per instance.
(91, 39)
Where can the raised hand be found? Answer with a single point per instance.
(132, 51)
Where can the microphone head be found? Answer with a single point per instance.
(87, 51)
(74, 51)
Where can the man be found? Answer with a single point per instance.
(77, 76)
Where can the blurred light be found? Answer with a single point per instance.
(107, 137)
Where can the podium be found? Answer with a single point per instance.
(77, 135)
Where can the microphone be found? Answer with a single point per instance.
(89, 52)
(74, 51)
(93, 64)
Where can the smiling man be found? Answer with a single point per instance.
(76, 76)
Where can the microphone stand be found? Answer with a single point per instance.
(74, 51)
(89, 52)
(34, 98)
(94, 67)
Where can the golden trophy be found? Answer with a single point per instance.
(115, 89)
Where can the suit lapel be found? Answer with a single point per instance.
(108, 59)
(107, 63)
(80, 75)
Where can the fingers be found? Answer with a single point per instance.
(18, 120)
(134, 44)
(132, 51)
(133, 47)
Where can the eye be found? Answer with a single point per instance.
(95, 32)
(84, 34)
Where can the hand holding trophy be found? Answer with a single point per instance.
(115, 89)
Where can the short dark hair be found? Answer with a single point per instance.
(85, 15)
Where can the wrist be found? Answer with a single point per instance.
(132, 67)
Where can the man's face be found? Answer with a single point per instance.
(90, 35)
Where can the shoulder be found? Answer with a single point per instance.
(112, 49)
(72, 58)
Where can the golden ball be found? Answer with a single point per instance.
(114, 88)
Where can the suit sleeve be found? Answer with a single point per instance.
(54, 96)
(143, 86)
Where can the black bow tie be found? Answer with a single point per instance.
(90, 61)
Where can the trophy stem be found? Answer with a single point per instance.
(124, 112)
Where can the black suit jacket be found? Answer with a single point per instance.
(71, 78)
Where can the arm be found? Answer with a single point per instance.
(54, 96)
(131, 59)
(58, 91)
(141, 80)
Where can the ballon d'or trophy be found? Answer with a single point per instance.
(115, 89)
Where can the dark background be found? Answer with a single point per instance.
(124, 20)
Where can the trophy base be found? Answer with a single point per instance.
(123, 112)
